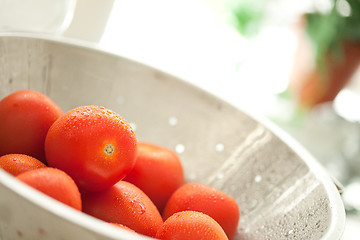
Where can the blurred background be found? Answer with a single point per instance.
(295, 63)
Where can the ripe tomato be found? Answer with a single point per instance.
(19, 163)
(126, 204)
(92, 144)
(25, 117)
(157, 171)
(54, 183)
(213, 202)
(189, 225)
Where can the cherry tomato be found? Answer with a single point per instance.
(19, 163)
(92, 144)
(189, 225)
(54, 183)
(203, 198)
(25, 117)
(157, 171)
(126, 204)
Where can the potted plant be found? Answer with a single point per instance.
(334, 41)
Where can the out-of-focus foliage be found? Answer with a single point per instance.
(249, 16)
(327, 30)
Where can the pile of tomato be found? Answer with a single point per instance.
(90, 159)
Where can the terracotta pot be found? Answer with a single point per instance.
(310, 85)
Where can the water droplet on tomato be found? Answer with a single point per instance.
(138, 207)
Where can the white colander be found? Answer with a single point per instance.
(282, 192)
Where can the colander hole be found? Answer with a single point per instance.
(120, 100)
(179, 148)
(192, 176)
(220, 176)
(253, 204)
(219, 147)
(173, 121)
(257, 178)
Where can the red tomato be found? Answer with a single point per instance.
(157, 171)
(126, 204)
(92, 144)
(19, 163)
(25, 117)
(189, 225)
(213, 202)
(54, 183)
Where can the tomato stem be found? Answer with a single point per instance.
(109, 149)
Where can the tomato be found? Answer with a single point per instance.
(54, 183)
(25, 117)
(213, 202)
(19, 163)
(126, 204)
(92, 144)
(189, 225)
(157, 171)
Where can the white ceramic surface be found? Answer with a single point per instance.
(283, 193)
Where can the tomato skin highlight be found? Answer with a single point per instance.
(158, 172)
(25, 118)
(122, 226)
(189, 225)
(92, 144)
(54, 183)
(16, 164)
(203, 198)
(125, 204)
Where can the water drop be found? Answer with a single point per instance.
(137, 206)
(289, 233)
